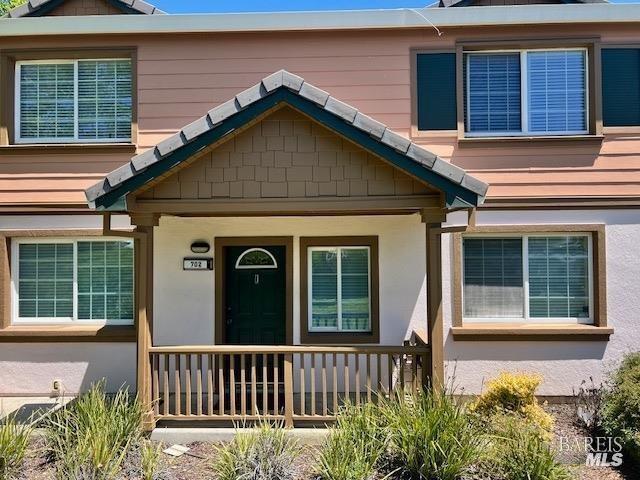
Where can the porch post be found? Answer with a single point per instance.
(434, 303)
(144, 295)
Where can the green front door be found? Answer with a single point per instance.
(255, 293)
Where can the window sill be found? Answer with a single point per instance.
(68, 333)
(544, 332)
(551, 139)
(39, 148)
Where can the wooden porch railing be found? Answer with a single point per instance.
(288, 383)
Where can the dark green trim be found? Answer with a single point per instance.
(456, 195)
(620, 87)
(436, 91)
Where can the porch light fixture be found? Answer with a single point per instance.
(200, 246)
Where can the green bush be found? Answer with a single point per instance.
(514, 394)
(90, 437)
(354, 445)
(14, 440)
(430, 435)
(265, 453)
(149, 459)
(621, 406)
(519, 451)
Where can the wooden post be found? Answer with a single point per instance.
(434, 303)
(288, 390)
(144, 296)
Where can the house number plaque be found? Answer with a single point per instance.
(197, 264)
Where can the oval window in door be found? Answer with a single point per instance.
(256, 258)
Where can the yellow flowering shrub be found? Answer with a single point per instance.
(514, 393)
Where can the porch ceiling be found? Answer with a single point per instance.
(223, 122)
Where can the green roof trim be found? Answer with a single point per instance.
(459, 188)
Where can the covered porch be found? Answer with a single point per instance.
(288, 258)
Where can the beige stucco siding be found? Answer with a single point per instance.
(181, 77)
(184, 300)
(564, 364)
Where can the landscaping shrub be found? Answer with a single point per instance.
(518, 451)
(430, 435)
(266, 453)
(149, 459)
(514, 394)
(14, 440)
(621, 407)
(589, 400)
(90, 437)
(354, 445)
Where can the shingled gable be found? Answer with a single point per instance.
(38, 8)
(459, 188)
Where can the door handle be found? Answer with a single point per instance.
(229, 321)
(256, 279)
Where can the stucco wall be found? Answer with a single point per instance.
(184, 300)
(31, 368)
(564, 364)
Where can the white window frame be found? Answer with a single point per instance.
(526, 319)
(272, 266)
(75, 138)
(524, 94)
(338, 250)
(15, 272)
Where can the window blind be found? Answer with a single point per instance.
(558, 277)
(76, 280)
(493, 285)
(340, 290)
(47, 100)
(45, 280)
(494, 92)
(105, 281)
(557, 91)
(324, 289)
(88, 100)
(355, 288)
(104, 99)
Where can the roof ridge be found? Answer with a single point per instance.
(296, 84)
(31, 7)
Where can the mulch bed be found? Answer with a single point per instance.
(198, 465)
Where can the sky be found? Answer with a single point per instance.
(215, 6)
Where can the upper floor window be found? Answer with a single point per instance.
(529, 92)
(63, 101)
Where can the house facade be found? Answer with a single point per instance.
(263, 214)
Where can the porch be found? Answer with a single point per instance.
(286, 170)
(295, 385)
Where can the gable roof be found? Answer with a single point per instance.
(473, 3)
(38, 8)
(460, 189)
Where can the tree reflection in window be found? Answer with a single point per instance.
(256, 258)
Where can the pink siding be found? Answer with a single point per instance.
(182, 77)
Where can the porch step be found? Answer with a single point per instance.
(186, 435)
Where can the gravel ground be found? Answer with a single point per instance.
(197, 466)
